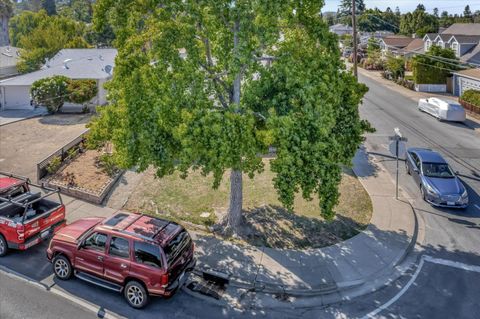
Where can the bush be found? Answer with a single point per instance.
(472, 97)
(50, 92)
(396, 66)
(81, 91)
(107, 162)
(54, 165)
(433, 71)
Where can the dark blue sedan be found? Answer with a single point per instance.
(438, 183)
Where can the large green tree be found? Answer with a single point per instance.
(345, 10)
(211, 85)
(419, 22)
(41, 36)
(6, 8)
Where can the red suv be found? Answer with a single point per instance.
(136, 254)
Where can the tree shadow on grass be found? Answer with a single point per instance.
(275, 227)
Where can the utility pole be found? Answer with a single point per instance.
(354, 25)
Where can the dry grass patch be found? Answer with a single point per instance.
(267, 223)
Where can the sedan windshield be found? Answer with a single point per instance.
(438, 170)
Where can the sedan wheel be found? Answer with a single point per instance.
(62, 268)
(3, 246)
(136, 295)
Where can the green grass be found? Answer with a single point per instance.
(186, 199)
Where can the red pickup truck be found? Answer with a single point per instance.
(27, 217)
(136, 254)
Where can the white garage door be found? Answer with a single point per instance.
(17, 98)
(468, 84)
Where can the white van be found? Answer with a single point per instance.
(443, 110)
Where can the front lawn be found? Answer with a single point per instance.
(267, 223)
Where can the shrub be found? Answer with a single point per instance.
(433, 71)
(50, 92)
(107, 162)
(81, 91)
(54, 165)
(472, 97)
(396, 66)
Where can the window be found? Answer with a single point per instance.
(428, 44)
(438, 170)
(119, 247)
(455, 48)
(415, 159)
(96, 241)
(147, 254)
(177, 246)
(114, 220)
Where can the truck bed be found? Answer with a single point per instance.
(16, 212)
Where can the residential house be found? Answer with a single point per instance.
(462, 38)
(395, 44)
(413, 48)
(8, 61)
(466, 80)
(95, 64)
(341, 29)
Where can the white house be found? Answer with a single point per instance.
(466, 80)
(94, 64)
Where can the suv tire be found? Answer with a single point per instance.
(3, 246)
(62, 267)
(135, 294)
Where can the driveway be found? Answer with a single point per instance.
(12, 116)
(24, 143)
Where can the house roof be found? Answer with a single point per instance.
(463, 29)
(444, 37)
(397, 41)
(340, 27)
(431, 36)
(472, 56)
(80, 64)
(473, 73)
(8, 56)
(465, 38)
(415, 45)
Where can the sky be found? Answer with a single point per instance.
(452, 6)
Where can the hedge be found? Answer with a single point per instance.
(472, 97)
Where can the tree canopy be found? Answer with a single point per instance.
(6, 8)
(211, 85)
(41, 36)
(434, 66)
(345, 10)
(418, 22)
(372, 20)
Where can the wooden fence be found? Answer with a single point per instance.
(61, 153)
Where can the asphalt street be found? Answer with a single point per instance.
(19, 300)
(443, 289)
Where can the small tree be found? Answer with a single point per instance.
(50, 92)
(396, 66)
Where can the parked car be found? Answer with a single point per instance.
(138, 255)
(438, 184)
(27, 217)
(443, 110)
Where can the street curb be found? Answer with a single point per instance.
(98, 310)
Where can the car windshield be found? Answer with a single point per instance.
(439, 170)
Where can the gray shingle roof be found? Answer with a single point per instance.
(466, 38)
(83, 64)
(463, 28)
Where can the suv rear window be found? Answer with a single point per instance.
(177, 246)
(147, 254)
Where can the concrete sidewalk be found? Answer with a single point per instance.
(323, 271)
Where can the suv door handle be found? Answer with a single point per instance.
(123, 266)
(100, 258)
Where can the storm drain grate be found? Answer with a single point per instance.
(206, 288)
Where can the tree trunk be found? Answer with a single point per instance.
(236, 185)
(236, 199)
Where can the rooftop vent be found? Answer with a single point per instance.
(65, 63)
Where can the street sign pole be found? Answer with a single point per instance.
(399, 140)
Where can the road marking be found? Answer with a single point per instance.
(425, 258)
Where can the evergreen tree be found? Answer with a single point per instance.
(50, 7)
(345, 10)
(467, 13)
(435, 12)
